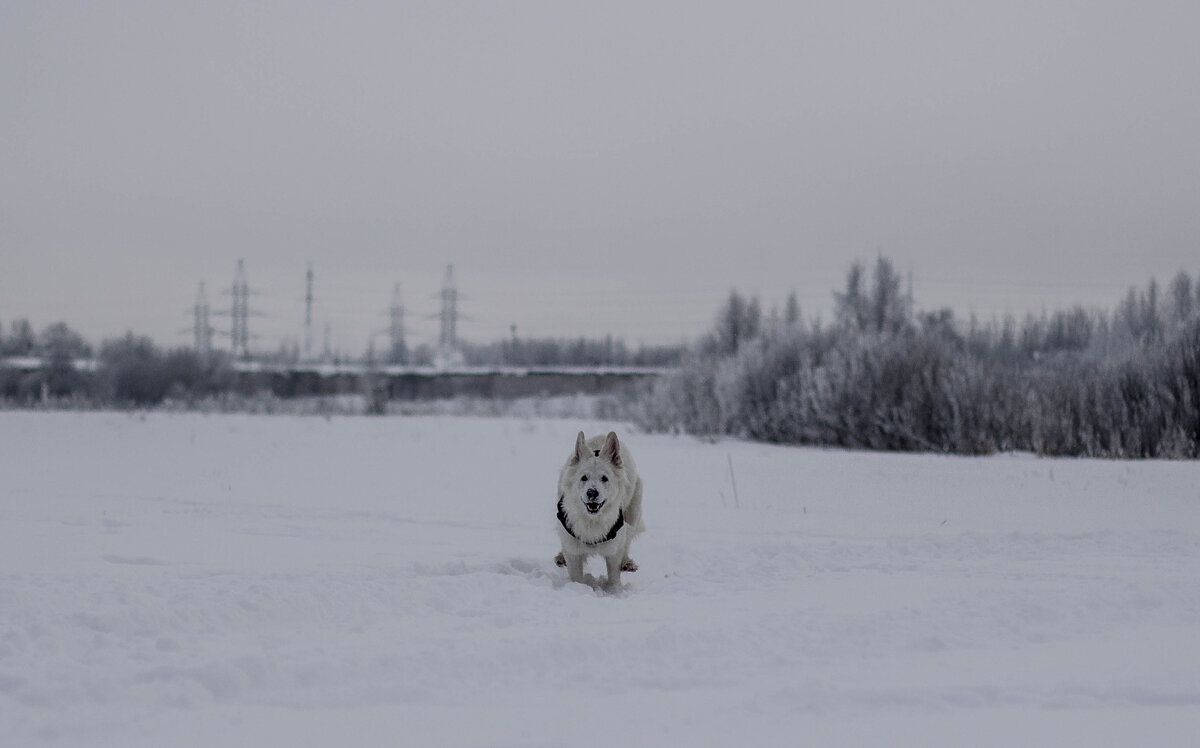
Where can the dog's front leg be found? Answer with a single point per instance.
(614, 570)
(574, 566)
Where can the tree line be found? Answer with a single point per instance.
(570, 352)
(128, 371)
(1120, 383)
(133, 371)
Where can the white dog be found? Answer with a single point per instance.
(599, 507)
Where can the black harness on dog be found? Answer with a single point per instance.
(562, 517)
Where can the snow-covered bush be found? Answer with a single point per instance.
(1145, 405)
(1067, 384)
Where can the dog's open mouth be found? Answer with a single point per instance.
(593, 506)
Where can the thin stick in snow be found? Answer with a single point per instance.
(733, 480)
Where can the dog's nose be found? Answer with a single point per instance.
(592, 493)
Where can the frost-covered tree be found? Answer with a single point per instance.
(60, 340)
(1139, 315)
(791, 312)
(1068, 330)
(889, 310)
(1180, 292)
(133, 370)
(738, 321)
(883, 309)
(940, 324)
(851, 306)
(1151, 312)
(20, 340)
(60, 346)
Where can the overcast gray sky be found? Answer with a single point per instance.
(588, 167)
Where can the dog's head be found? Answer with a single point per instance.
(593, 476)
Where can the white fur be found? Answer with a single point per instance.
(612, 473)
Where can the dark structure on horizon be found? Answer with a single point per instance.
(426, 383)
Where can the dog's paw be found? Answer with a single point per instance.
(629, 564)
(560, 560)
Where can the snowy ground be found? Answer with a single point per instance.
(184, 580)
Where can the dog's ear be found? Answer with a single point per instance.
(581, 450)
(612, 449)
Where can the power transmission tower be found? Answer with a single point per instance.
(308, 305)
(449, 316)
(240, 328)
(201, 330)
(399, 352)
(239, 313)
(448, 353)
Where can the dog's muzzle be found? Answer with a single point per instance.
(590, 503)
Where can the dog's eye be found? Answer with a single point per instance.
(583, 479)
(604, 479)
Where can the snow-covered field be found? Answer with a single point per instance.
(187, 580)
